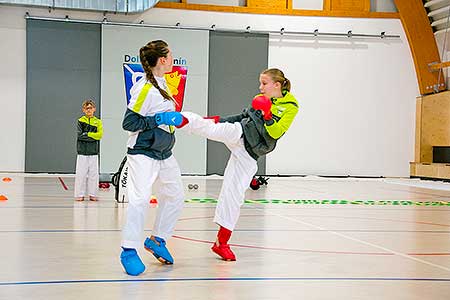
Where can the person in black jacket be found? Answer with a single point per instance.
(89, 133)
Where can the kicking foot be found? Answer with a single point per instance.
(157, 246)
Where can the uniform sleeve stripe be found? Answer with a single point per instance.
(289, 102)
(141, 98)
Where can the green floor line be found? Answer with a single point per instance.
(330, 202)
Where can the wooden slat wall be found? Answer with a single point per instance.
(289, 4)
(418, 136)
(432, 129)
(434, 122)
(347, 5)
(267, 3)
(422, 43)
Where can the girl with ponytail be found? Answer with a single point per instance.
(150, 119)
(248, 135)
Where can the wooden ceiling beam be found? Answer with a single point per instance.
(279, 11)
(422, 44)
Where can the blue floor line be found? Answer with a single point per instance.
(221, 279)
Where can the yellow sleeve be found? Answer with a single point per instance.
(97, 135)
(277, 128)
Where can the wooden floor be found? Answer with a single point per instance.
(357, 239)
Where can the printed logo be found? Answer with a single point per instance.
(177, 61)
(176, 81)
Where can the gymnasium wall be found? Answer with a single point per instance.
(120, 44)
(13, 87)
(63, 69)
(357, 105)
(357, 97)
(228, 93)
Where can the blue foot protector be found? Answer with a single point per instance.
(159, 251)
(131, 262)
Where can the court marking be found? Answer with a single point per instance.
(362, 242)
(309, 250)
(419, 193)
(329, 202)
(97, 205)
(236, 245)
(222, 279)
(261, 279)
(62, 183)
(328, 216)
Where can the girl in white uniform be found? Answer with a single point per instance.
(150, 119)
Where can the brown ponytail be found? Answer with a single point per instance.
(149, 55)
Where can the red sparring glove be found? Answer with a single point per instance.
(263, 104)
(216, 119)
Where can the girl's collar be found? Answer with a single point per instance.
(283, 93)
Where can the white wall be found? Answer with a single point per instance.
(307, 4)
(219, 2)
(357, 106)
(12, 87)
(383, 5)
(357, 97)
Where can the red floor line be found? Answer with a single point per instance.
(313, 251)
(62, 183)
(331, 216)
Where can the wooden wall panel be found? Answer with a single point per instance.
(268, 3)
(413, 169)
(289, 4)
(418, 136)
(422, 43)
(347, 5)
(434, 124)
(427, 170)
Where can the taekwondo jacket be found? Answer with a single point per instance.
(145, 136)
(89, 133)
(260, 136)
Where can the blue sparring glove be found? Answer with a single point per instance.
(172, 118)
